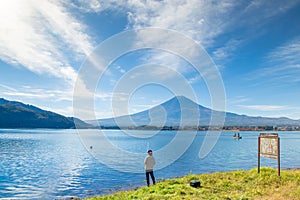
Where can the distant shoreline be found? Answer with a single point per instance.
(144, 128)
(206, 128)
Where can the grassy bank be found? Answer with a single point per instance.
(222, 185)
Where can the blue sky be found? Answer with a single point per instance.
(254, 44)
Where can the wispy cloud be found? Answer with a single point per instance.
(44, 36)
(196, 19)
(283, 65)
(203, 21)
(247, 19)
(267, 9)
(268, 110)
(226, 51)
(85, 6)
(237, 100)
(265, 107)
(8, 87)
(120, 69)
(29, 92)
(41, 36)
(55, 100)
(288, 54)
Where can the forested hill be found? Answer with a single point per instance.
(15, 114)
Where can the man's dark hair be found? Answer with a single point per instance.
(149, 150)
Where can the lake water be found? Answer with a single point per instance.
(54, 164)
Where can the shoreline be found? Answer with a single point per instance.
(173, 128)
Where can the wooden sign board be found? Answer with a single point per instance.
(269, 147)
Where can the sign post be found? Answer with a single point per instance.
(269, 147)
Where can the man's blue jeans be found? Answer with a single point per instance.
(152, 177)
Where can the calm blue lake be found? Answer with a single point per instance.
(54, 164)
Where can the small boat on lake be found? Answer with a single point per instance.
(237, 136)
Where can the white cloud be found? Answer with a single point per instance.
(194, 79)
(283, 65)
(55, 100)
(120, 69)
(203, 21)
(196, 19)
(8, 87)
(41, 36)
(226, 51)
(265, 107)
(87, 6)
(168, 62)
(288, 53)
(29, 92)
(237, 100)
(267, 110)
(267, 9)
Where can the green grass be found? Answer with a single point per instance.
(221, 185)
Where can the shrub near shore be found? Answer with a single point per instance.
(221, 185)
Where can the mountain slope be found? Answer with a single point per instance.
(181, 111)
(15, 114)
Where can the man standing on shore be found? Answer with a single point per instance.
(149, 162)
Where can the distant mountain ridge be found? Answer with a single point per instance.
(178, 111)
(14, 114)
(171, 112)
